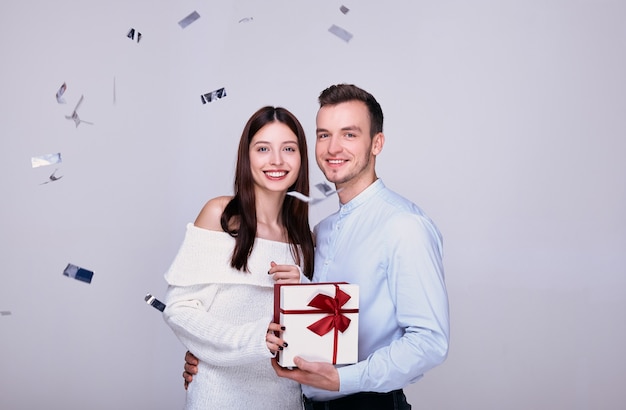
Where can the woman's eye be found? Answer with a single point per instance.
(290, 149)
(262, 149)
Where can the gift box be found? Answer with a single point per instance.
(321, 322)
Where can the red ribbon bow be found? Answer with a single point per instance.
(336, 320)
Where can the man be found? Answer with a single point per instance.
(386, 245)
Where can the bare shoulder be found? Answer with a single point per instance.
(211, 212)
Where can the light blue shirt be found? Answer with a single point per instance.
(393, 251)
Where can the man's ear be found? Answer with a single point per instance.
(377, 143)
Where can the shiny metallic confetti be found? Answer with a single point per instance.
(325, 188)
(189, 19)
(213, 95)
(340, 32)
(52, 177)
(75, 116)
(154, 302)
(344, 9)
(78, 273)
(5, 313)
(131, 35)
(322, 186)
(60, 93)
(43, 160)
(246, 19)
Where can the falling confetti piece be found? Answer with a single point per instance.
(52, 177)
(75, 116)
(246, 19)
(344, 9)
(60, 93)
(322, 186)
(325, 188)
(5, 313)
(131, 35)
(78, 273)
(341, 33)
(44, 160)
(189, 19)
(154, 302)
(213, 95)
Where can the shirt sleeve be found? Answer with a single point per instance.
(211, 338)
(416, 284)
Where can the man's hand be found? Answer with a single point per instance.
(191, 368)
(315, 374)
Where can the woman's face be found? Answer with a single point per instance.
(274, 157)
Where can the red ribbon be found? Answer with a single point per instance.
(336, 320)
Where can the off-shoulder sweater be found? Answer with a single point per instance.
(221, 315)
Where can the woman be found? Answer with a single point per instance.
(220, 285)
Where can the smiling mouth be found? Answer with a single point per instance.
(336, 161)
(275, 174)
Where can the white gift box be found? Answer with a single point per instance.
(321, 322)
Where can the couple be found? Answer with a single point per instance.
(220, 285)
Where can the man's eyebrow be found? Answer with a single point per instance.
(348, 128)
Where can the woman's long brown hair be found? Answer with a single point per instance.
(239, 216)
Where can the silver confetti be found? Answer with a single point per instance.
(52, 177)
(213, 95)
(78, 273)
(344, 9)
(60, 93)
(154, 302)
(131, 35)
(44, 160)
(189, 19)
(310, 200)
(340, 32)
(75, 116)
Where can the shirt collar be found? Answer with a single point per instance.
(365, 195)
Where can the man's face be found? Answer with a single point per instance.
(344, 149)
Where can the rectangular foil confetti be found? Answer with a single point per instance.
(213, 95)
(47, 159)
(78, 273)
(189, 19)
(341, 33)
(154, 302)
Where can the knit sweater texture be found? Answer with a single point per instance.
(221, 315)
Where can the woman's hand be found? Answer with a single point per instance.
(284, 273)
(272, 338)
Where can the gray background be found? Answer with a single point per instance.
(505, 121)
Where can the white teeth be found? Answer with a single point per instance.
(335, 161)
(276, 174)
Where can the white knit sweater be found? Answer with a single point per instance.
(221, 315)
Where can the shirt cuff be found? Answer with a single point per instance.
(349, 377)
